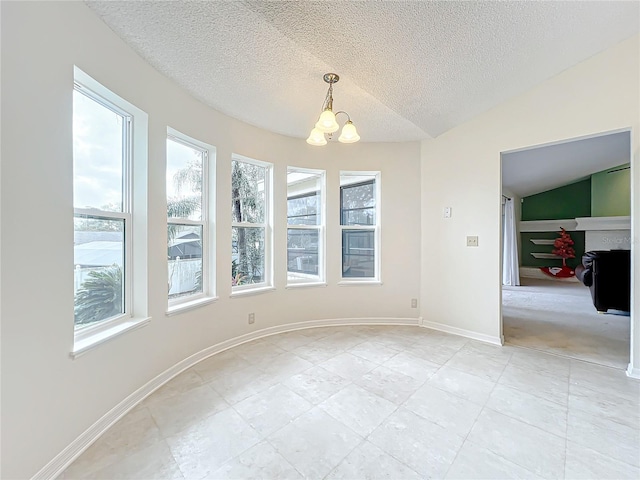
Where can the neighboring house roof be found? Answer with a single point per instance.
(98, 254)
(105, 248)
(80, 237)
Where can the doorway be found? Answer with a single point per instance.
(581, 185)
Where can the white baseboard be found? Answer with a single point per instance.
(461, 332)
(633, 372)
(61, 461)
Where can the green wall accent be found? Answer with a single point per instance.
(527, 248)
(604, 194)
(611, 192)
(570, 201)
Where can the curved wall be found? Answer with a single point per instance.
(48, 399)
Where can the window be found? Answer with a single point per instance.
(102, 219)
(305, 226)
(104, 151)
(251, 226)
(187, 219)
(359, 220)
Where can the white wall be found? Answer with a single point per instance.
(461, 169)
(48, 399)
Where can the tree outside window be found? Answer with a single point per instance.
(186, 218)
(249, 206)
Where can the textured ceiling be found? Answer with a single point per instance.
(535, 170)
(409, 70)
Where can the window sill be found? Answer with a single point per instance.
(357, 283)
(252, 291)
(80, 347)
(186, 306)
(306, 285)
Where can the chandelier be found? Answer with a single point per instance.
(327, 124)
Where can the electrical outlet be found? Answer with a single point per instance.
(472, 241)
(446, 212)
(414, 303)
(252, 318)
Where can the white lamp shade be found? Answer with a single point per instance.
(316, 137)
(327, 122)
(349, 133)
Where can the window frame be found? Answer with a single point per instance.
(308, 279)
(125, 216)
(267, 225)
(206, 222)
(376, 227)
(134, 191)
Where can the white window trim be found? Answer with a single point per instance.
(191, 305)
(267, 284)
(135, 237)
(208, 295)
(97, 337)
(252, 291)
(305, 285)
(306, 279)
(376, 279)
(358, 282)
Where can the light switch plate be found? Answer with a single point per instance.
(472, 240)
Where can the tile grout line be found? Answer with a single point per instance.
(526, 393)
(566, 431)
(499, 454)
(385, 451)
(474, 423)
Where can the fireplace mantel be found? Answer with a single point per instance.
(603, 223)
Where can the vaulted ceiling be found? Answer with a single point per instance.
(408, 70)
(538, 169)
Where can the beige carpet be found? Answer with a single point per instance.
(559, 317)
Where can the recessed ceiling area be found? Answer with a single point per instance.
(408, 70)
(538, 169)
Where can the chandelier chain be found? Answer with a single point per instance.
(328, 99)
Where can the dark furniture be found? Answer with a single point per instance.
(608, 276)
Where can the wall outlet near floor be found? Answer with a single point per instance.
(414, 303)
(252, 318)
(472, 240)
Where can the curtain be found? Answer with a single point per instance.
(510, 269)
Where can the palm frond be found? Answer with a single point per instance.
(100, 296)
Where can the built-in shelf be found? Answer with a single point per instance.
(545, 255)
(568, 224)
(542, 241)
(574, 224)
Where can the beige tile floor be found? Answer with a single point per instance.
(367, 402)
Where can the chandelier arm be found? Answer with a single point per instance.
(342, 111)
